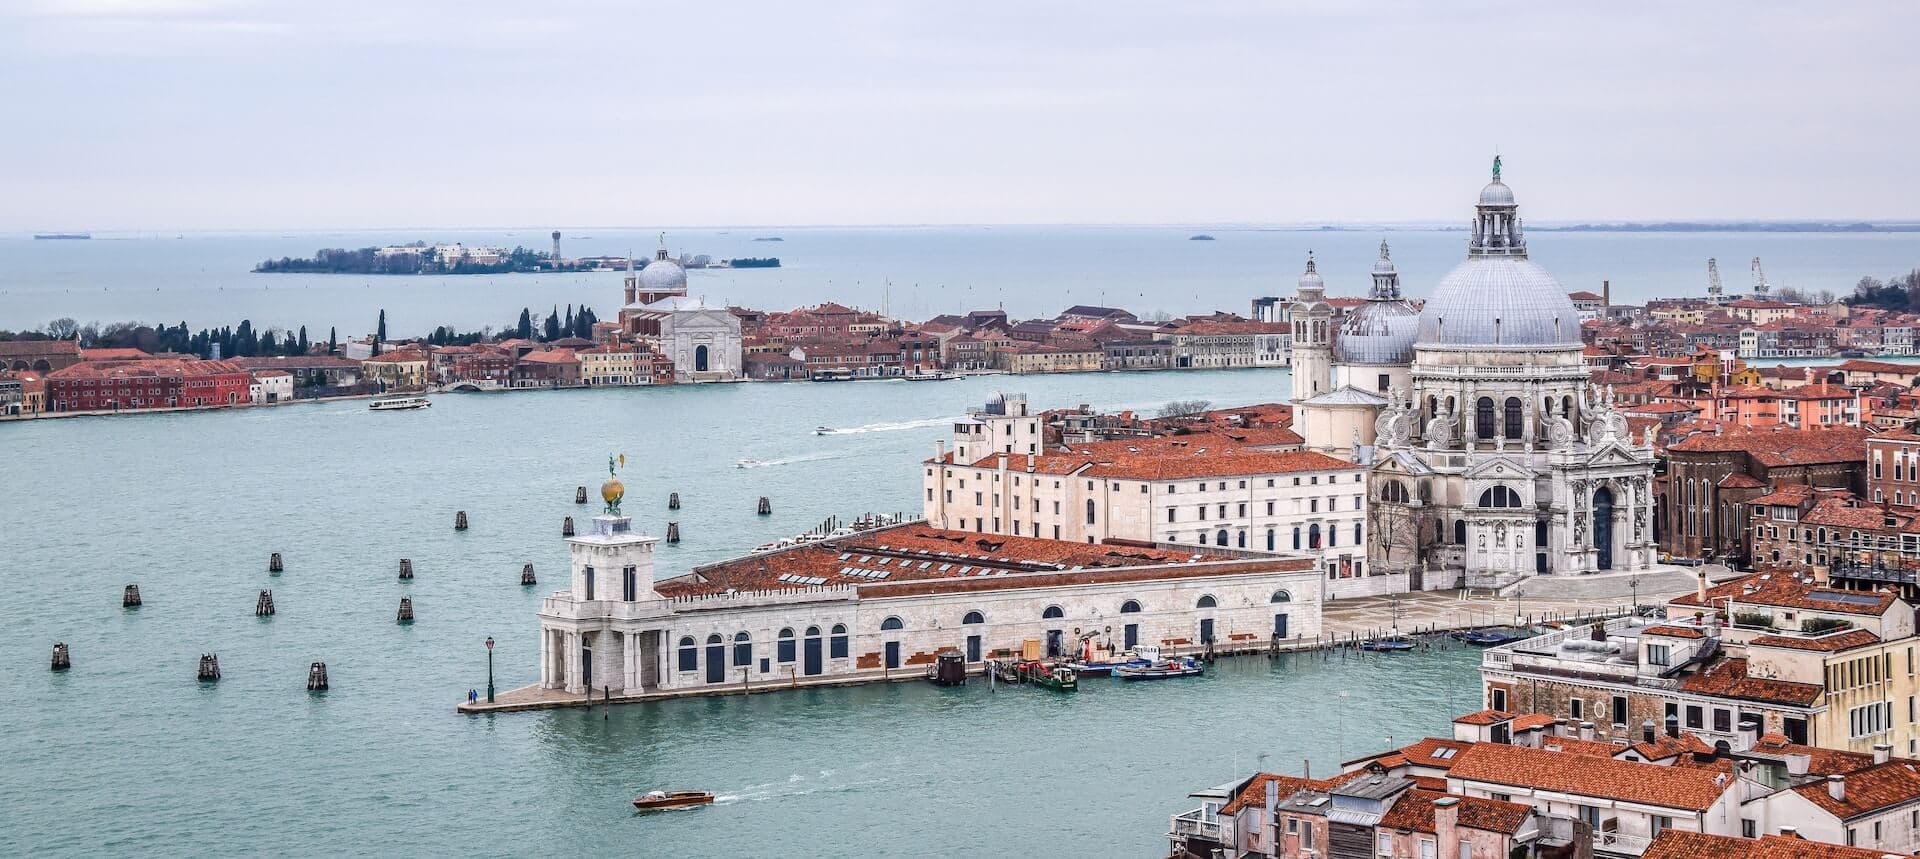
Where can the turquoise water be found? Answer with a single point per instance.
(203, 280)
(126, 752)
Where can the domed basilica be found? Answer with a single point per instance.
(1492, 457)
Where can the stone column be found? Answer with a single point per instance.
(546, 659)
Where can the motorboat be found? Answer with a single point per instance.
(393, 404)
(931, 377)
(659, 800)
(1391, 644)
(1184, 666)
(823, 430)
(1486, 637)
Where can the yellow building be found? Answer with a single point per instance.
(1036, 358)
(402, 369)
(614, 365)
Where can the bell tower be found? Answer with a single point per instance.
(1312, 336)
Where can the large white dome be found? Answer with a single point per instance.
(663, 275)
(1499, 301)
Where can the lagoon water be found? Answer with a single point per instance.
(203, 279)
(126, 752)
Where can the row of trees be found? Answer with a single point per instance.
(1895, 293)
(242, 340)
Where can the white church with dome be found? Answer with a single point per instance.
(703, 341)
(1492, 458)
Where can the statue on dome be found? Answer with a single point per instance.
(1496, 168)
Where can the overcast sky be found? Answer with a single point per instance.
(191, 114)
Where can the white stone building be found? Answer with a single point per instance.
(703, 341)
(1244, 490)
(1492, 458)
(879, 605)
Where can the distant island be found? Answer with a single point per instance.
(1203, 237)
(754, 262)
(422, 258)
(1735, 227)
(769, 239)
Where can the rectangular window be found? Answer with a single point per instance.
(1658, 654)
(1696, 717)
(1170, 516)
(785, 651)
(1619, 709)
(1576, 708)
(1383, 843)
(630, 583)
(689, 657)
(589, 578)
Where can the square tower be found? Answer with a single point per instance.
(611, 561)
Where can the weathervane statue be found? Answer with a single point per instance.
(613, 490)
(1496, 168)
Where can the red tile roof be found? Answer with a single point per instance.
(1819, 761)
(1254, 794)
(1675, 631)
(1830, 643)
(916, 558)
(1728, 678)
(1874, 789)
(1484, 717)
(1779, 446)
(1681, 844)
(1587, 775)
(1413, 811)
(1784, 591)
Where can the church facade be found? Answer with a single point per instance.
(702, 341)
(1491, 456)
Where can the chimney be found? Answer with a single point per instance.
(1586, 730)
(1646, 731)
(1560, 728)
(1837, 787)
(1273, 797)
(1000, 462)
(940, 449)
(1747, 736)
(1606, 293)
(1446, 813)
(1797, 763)
(1789, 832)
(1673, 726)
(1029, 463)
(1882, 752)
(1701, 587)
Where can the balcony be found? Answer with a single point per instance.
(1607, 843)
(1199, 823)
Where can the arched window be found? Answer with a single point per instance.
(1499, 496)
(1130, 607)
(974, 617)
(813, 632)
(1240, 539)
(742, 649)
(1313, 536)
(1483, 418)
(1090, 511)
(1512, 418)
(1460, 531)
(1270, 539)
(1540, 533)
(1433, 406)
(1281, 596)
(1450, 406)
(689, 654)
(1393, 491)
(700, 358)
(1356, 534)
(891, 623)
(1207, 601)
(1052, 612)
(1566, 407)
(783, 650)
(1220, 537)
(714, 638)
(838, 642)
(1296, 538)
(1546, 406)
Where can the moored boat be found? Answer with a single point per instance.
(1185, 666)
(391, 404)
(1391, 644)
(655, 800)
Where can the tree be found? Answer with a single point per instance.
(1179, 409)
(380, 333)
(551, 330)
(333, 340)
(524, 330)
(301, 346)
(63, 328)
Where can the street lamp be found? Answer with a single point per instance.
(489, 669)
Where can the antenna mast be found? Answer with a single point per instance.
(1760, 285)
(1713, 281)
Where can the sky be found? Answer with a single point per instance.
(255, 114)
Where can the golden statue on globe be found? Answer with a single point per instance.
(613, 490)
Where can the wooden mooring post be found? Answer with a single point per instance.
(62, 660)
(566, 527)
(406, 569)
(274, 565)
(131, 597)
(209, 667)
(317, 677)
(526, 576)
(580, 495)
(766, 506)
(673, 501)
(406, 610)
(263, 607)
(673, 532)
(460, 521)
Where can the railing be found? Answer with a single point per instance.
(1616, 844)
(1198, 823)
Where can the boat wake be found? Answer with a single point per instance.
(894, 426)
(808, 457)
(797, 785)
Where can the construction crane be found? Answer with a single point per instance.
(1760, 285)
(1713, 280)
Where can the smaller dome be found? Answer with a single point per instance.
(1496, 194)
(1312, 279)
(663, 275)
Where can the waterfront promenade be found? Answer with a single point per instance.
(1344, 620)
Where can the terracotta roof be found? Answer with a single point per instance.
(550, 356)
(1587, 775)
(1681, 844)
(915, 558)
(1484, 717)
(1784, 591)
(1664, 747)
(1428, 752)
(1789, 494)
(1530, 721)
(1675, 631)
(1577, 746)
(1876, 788)
(1740, 480)
(1844, 511)
(1227, 453)
(150, 367)
(1413, 811)
(398, 356)
(1858, 366)
(1827, 643)
(37, 348)
(1728, 678)
(1819, 761)
(1254, 794)
(1776, 447)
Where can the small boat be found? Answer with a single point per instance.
(391, 404)
(1184, 666)
(823, 430)
(1392, 644)
(655, 800)
(931, 377)
(1486, 637)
